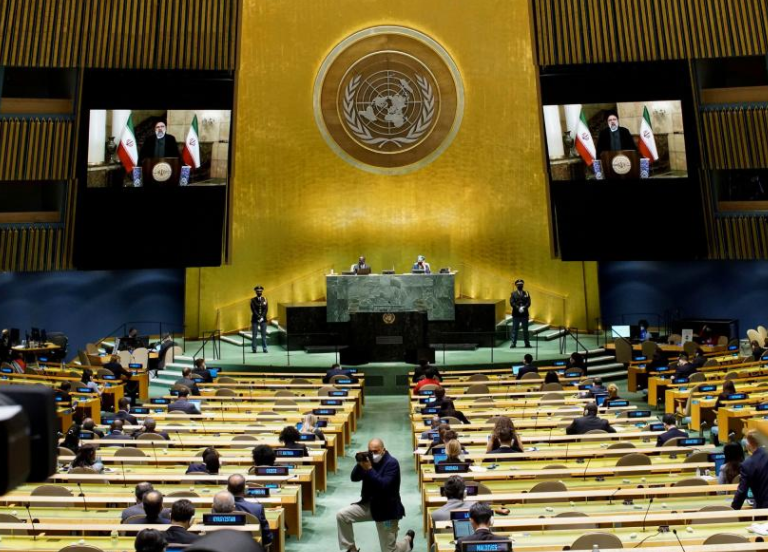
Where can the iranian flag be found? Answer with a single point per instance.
(584, 142)
(191, 153)
(127, 151)
(647, 140)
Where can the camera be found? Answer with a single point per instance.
(28, 450)
(363, 457)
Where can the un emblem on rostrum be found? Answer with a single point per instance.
(388, 99)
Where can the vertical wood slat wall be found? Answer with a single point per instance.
(107, 34)
(736, 137)
(119, 34)
(571, 32)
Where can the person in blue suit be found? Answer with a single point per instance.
(754, 475)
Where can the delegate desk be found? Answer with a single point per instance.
(301, 475)
(546, 540)
(281, 505)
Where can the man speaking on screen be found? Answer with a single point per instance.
(159, 144)
(615, 137)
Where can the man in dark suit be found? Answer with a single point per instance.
(360, 265)
(684, 369)
(754, 475)
(90, 425)
(159, 144)
(187, 381)
(671, 430)
(520, 301)
(615, 137)
(182, 404)
(528, 367)
(481, 518)
(138, 508)
(236, 486)
(115, 433)
(153, 510)
(337, 370)
(588, 422)
(182, 513)
(201, 370)
(150, 426)
(380, 501)
(123, 414)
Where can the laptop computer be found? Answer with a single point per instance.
(462, 527)
(363, 271)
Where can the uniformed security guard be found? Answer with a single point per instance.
(520, 301)
(259, 307)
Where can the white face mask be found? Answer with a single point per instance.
(377, 458)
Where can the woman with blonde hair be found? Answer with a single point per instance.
(454, 453)
(613, 395)
(309, 426)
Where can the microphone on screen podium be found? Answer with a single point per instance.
(32, 520)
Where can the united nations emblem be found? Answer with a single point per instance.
(388, 318)
(162, 172)
(388, 100)
(621, 165)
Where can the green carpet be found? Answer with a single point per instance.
(385, 417)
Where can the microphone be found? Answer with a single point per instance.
(179, 436)
(32, 521)
(154, 453)
(566, 449)
(122, 466)
(222, 412)
(678, 540)
(646, 538)
(646, 512)
(584, 475)
(610, 498)
(82, 494)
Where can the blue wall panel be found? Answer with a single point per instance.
(712, 289)
(88, 305)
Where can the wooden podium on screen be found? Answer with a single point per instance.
(620, 164)
(161, 171)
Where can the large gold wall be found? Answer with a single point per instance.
(298, 209)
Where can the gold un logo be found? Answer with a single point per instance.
(388, 100)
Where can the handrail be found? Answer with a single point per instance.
(215, 338)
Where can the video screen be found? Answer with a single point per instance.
(158, 148)
(607, 141)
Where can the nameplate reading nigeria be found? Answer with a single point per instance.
(430, 293)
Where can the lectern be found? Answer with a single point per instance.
(161, 171)
(620, 164)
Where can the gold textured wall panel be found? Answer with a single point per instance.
(597, 31)
(298, 209)
(36, 149)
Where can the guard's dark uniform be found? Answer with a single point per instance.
(520, 299)
(259, 308)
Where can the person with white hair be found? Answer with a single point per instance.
(421, 264)
(223, 503)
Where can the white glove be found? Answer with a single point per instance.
(521, 309)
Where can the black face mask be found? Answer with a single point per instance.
(520, 288)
